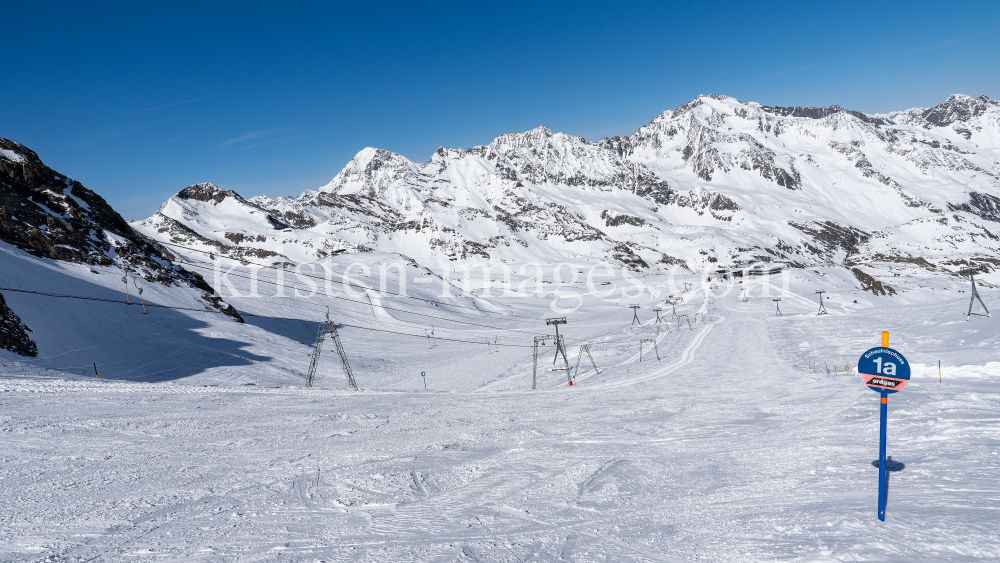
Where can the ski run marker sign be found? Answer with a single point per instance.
(884, 370)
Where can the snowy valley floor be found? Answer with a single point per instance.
(730, 448)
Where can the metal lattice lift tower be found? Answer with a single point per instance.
(560, 346)
(777, 306)
(653, 340)
(822, 307)
(659, 321)
(584, 348)
(325, 328)
(635, 316)
(673, 304)
(975, 293)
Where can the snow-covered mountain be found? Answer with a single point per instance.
(715, 182)
(54, 218)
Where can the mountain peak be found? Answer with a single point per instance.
(702, 99)
(531, 137)
(371, 159)
(16, 152)
(207, 191)
(370, 169)
(958, 107)
(956, 97)
(541, 130)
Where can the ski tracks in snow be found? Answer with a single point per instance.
(686, 357)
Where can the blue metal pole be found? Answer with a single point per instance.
(881, 460)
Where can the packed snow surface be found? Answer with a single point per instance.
(199, 440)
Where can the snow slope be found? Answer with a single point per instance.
(730, 448)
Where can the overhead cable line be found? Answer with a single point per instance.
(295, 285)
(269, 267)
(46, 294)
(367, 304)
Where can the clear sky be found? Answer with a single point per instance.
(140, 99)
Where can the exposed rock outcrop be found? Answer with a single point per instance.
(50, 215)
(14, 333)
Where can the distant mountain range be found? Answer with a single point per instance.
(715, 182)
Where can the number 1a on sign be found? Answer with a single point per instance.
(889, 369)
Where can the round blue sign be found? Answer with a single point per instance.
(884, 370)
(422, 374)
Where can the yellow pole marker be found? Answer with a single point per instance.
(939, 371)
(885, 338)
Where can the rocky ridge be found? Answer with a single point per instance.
(14, 333)
(715, 182)
(52, 216)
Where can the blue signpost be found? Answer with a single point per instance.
(884, 370)
(423, 375)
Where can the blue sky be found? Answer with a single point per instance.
(139, 100)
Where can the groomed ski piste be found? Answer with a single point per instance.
(745, 440)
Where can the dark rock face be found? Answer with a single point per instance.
(820, 113)
(760, 158)
(957, 108)
(614, 220)
(718, 205)
(14, 333)
(49, 215)
(624, 254)
(868, 283)
(207, 191)
(834, 236)
(983, 205)
(52, 216)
